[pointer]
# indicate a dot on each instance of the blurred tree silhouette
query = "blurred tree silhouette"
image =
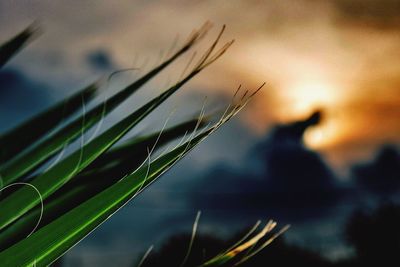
(376, 236)
(173, 251)
(278, 253)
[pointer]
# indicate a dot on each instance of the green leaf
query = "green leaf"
(72, 208)
(50, 242)
(11, 47)
(16, 140)
(132, 151)
(24, 199)
(51, 210)
(129, 156)
(28, 160)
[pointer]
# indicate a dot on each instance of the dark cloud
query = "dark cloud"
(20, 96)
(382, 174)
(294, 181)
(100, 60)
(378, 13)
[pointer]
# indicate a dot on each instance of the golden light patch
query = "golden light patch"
(327, 134)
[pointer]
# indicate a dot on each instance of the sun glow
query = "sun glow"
(324, 135)
(300, 81)
(306, 97)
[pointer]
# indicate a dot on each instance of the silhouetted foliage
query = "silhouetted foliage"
(206, 246)
(376, 236)
(174, 250)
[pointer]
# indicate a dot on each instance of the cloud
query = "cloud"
(293, 182)
(382, 174)
(100, 60)
(372, 13)
(311, 53)
(20, 96)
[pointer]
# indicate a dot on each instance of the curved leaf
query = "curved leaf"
(16, 140)
(25, 162)
(11, 47)
(53, 240)
(24, 199)
(86, 185)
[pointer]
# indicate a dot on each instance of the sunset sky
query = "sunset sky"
(339, 56)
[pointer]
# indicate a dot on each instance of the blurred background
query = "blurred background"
(317, 148)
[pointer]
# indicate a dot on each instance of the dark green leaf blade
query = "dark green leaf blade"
(24, 199)
(11, 47)
(86, 185)
(134, 149)
(53, 240)
(16, 140)
(25, 162)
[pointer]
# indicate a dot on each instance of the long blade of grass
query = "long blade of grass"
(86, 185)
(17, 139)
(53, 240)
(23, 200)
(21, 228)
(232, 254)
(194, 231)
(264, 245)
(11, 47)
(25, 162)
(132, 150)
(127, 156)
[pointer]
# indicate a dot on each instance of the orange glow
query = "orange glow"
(324, 135)
(304, 97)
